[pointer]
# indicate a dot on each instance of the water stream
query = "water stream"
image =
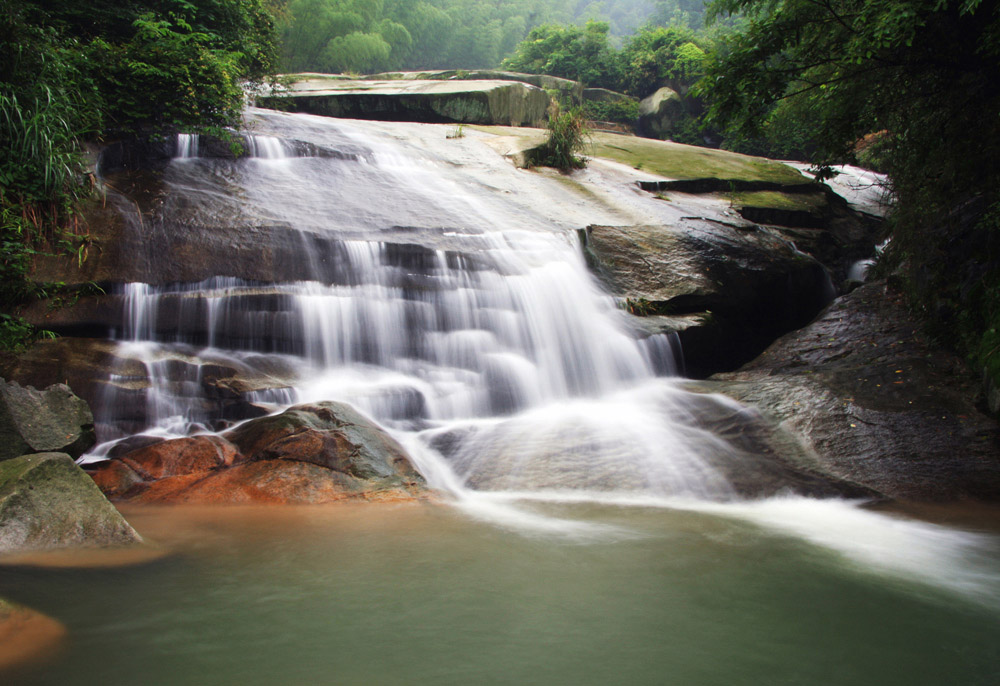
(463, 319)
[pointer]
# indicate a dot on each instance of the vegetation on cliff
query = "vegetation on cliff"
(917, 80)
(72, 73)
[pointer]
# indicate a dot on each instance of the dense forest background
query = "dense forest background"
(909, 87)
(365, 36)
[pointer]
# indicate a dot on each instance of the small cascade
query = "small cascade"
(265, 147)
(187, 146)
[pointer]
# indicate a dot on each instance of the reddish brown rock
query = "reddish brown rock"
(277, 482)
(26, 636)
(114, 478)
(316, 453)
(181, 456)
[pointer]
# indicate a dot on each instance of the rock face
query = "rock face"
(875, 402)
(99, 370)
(568, 90)
(308, 454)
(467, 102)
(659, 112)
(33, 421)
(746, 285)
(47, 501)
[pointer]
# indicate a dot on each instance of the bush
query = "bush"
(567, 136)
(622, 111)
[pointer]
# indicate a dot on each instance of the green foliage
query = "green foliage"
(667, 55)
(567, 138)
(624, 111)
(434, 34)
(572, 52)
(910, 85)
(73, 71)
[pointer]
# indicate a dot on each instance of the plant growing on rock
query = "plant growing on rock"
(567, 137)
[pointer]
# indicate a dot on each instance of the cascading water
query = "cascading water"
(456, 316)
(483, 342)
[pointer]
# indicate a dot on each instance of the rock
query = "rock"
(571, 91)
(718, 450)
(26, 636)
(47, 501)
(274, 482)
(322, 452)
(328, 434)
(180, 456)
(33, 421)
(116, 379)
(659, 112)
(747, 285)
(469, 102)
(875, 402)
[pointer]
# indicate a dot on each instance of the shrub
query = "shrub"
(567, 137)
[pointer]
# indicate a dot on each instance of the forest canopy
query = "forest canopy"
(375, 35)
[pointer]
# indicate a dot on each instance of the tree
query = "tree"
(921, 78)
(572, 52)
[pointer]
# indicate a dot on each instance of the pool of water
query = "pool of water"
(431, 594)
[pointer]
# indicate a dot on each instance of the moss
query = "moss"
(802, 202)
(677, 161)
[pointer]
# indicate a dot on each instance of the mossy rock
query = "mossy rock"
(47, 501)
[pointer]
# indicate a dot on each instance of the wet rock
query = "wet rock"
(110, 376)
(47, 501)
(747, 285)
(33, 421)
(875, 402)
(115, 478)
(26, 636)
(322, 452)
(328, 434)
(180, 456)
(276, 482)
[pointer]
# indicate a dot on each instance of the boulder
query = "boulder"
(468, 102)
(314, 453)
(33, 421)
(659, 112)
(180, 456)
(328, 434)
(747, 285)
(47, 501)
(271, 482)
(26, 636)
(875, 402)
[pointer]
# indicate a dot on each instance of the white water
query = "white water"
(470, 327)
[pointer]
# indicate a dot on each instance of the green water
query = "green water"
(423, 594)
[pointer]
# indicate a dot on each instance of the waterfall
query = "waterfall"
(470, 328)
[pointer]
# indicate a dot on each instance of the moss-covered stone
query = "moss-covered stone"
(47, 501)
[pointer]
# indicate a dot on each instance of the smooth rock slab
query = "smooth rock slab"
(470, 102)
(47, 501)
(876, 402)
(33, 421)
